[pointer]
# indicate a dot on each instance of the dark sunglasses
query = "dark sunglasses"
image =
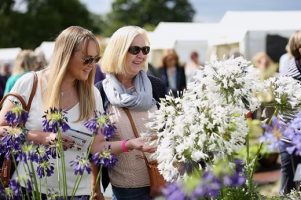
(135, 50)
(89, 60)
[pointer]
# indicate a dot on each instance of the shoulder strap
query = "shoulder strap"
(126, 110)
(33, 90)
(23, 103)
(128, 113)
(20, 98)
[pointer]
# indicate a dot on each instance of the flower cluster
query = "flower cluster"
(207, 184)
(286, 92)
(293, 133)
(104, 158)
(208, 122)
(55, 119)
(101, 121)
(273, 134)
(288, 135)
(15, 134)
(80, 165)
(17, 116)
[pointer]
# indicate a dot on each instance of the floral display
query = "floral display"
(208, 121)
(46, 157)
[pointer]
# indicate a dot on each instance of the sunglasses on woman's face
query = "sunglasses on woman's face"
(89, 60)
(136, 50)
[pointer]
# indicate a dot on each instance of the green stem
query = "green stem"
(58, 167)
(28, 172)
(79, 178)
(61, 149)
(35, 181)
(269, 122)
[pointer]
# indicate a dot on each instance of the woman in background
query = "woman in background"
(26, 61)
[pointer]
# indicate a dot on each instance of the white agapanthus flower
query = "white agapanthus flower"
(286, 92)
(208, 121)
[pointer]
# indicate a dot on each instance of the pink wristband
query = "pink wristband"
(123, 146)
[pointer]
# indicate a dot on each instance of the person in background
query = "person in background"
(192, 66)
(42, 62)
(152, 70)
(265, 64)
(26, 61)
(4, 75)
(172, 74)
(289, 162)
(128, 86)
(283, 61)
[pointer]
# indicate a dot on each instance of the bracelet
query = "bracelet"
(123, 146)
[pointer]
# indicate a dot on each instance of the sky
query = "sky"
(213, 10)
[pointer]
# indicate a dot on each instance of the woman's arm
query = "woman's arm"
(35, 136)
(100, 144)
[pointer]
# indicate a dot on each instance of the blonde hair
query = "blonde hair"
(294, 45)
(67, 43)
(114, 57)
(26, 61)
(258, 56)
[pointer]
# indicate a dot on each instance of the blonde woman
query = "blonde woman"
(66, 84)
(128, 86)
(26, 61)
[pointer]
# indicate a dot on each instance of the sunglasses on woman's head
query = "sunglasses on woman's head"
(89, 60)
(136, 50)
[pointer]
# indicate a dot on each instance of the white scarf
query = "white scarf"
(141, 99)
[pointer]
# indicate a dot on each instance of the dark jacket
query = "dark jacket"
(159, 91)
(180, 79)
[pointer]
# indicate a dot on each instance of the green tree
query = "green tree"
(43, 20)
(146, 13)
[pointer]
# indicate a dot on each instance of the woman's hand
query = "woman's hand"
(97, 195)
(140, 144)
(49, 138)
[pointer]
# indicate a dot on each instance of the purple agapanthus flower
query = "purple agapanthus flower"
(80, 165)
(55, 120)
(174, 192)
(108, 130)
(15, 187)
(273, 134)
(45, 168)
(210, 186)
(101, 121)
(104, 158)
(17, 116)
(293, 133)
(27, 153)
(12, 141)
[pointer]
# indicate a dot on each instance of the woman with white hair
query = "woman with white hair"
(128, 89)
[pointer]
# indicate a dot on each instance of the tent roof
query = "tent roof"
(263, 20)
(166, 33)
(9, 54)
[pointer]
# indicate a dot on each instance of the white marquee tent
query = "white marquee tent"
(249, 29)
(8, 55)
